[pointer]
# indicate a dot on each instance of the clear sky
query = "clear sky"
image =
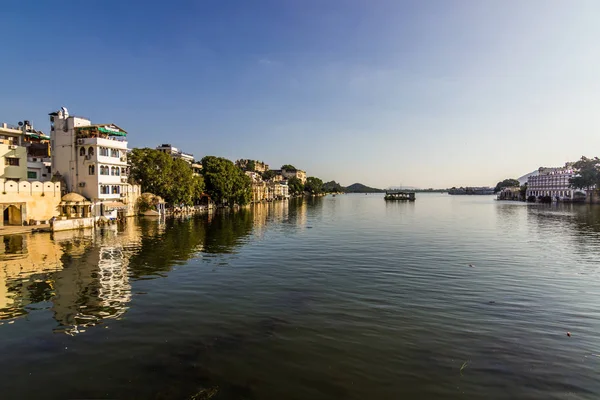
(422, 93)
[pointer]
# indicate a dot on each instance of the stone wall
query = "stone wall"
(37, 201)
(70, 224)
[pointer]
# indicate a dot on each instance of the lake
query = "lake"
(346, 297)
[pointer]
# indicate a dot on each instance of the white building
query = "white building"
(553, 182)
(91, 159)
(176, 153)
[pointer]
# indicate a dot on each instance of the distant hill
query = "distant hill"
(360, 188)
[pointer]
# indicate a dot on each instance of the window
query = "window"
(123, 171)
(12, 161)
(116, 189)
(104, 170)
(82, 152)
(49, 169)
(114, 153)
(91, 151)
(104, 189)
(31, 175)
(91, 170)
(103, 151)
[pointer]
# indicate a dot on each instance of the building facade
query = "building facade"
(552, 182)
(176, 153)
(294, 173)
(252, 165)
(91, 160)
(13, 162)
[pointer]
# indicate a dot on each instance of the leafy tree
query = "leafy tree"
(295, 185)
(268, 175)
(160, 174)
(332, 187)
(181, 187)
(588, 174)
(506, 183)
(198, 187)
(523, 191)
(313, 185)
(225, 182)
(288, 167)
(152, 170)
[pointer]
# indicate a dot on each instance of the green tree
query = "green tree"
(313, 185)
(268, 175)
(198, 188)
(225, 183)
(295, 186)
(251, 166)
(588, 174)
(524, 192)
(506, 183)
(333, 187)
(181, 186)
(152, 170)
(158, 173)
(288, 167)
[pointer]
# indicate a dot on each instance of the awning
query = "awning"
(113, 205)
(112, 132)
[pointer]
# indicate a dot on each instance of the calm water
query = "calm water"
(334, 298)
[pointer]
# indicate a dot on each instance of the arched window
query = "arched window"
(91, 170)
(82, 152)
(91, 151)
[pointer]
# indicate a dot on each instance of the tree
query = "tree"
(225, 182)
(251, 166)
(588, 174)
(288, 167)
(506, 183)
(523, 191)
(295, 185)
(150, 169)
(313, 185)
(268, 175)
(333, 187)
(181, 188)
(158, 173)
(198, 188)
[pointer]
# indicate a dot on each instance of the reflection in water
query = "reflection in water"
(85, 275)
(377, 301)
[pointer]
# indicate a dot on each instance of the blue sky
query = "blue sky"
(422, 93)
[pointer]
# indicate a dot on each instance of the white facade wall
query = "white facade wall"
(81, 162)
(553, 182)
(40, 167)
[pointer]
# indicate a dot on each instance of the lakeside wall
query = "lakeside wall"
(27, 201)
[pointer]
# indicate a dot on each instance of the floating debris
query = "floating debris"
(205, 394)
(463, 366)
(569, 334)
(471, 265)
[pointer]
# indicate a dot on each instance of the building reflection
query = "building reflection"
(24, 273)
(85, 277)
(94, 282)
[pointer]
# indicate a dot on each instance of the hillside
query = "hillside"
(360, 188)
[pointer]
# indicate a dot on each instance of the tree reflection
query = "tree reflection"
(86, 275)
